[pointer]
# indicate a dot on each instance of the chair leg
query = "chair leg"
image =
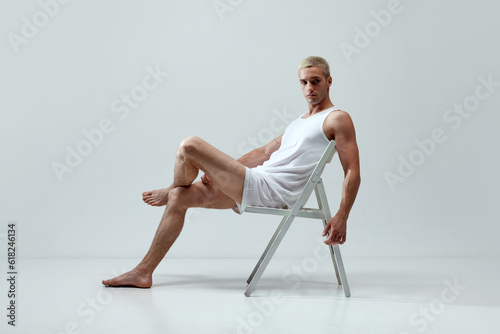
(266, 250)
(341, 271)
(334, 249)
(326, 212)
(268, 254)
(332, 254)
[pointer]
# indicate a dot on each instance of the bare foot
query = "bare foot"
(156, 197)
(131, 278)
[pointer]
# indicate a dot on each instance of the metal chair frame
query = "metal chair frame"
(323, 212)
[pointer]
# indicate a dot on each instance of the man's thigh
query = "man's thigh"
(201, 195)
(226, 173)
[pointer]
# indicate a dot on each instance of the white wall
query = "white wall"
(232, 76)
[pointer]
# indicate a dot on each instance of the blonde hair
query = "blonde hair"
(313, 61)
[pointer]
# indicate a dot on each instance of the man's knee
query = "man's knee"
(189, 146)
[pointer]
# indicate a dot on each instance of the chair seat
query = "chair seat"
(303, 213)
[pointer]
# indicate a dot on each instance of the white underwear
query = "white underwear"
(260, 189)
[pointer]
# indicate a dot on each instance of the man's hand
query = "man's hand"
(337, 230)
(205, 179)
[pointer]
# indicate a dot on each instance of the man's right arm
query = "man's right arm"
(259, 155)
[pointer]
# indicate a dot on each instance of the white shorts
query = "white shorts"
(260, 190)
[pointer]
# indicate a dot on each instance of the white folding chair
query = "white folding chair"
(323, 212)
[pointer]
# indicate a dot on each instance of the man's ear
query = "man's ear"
(329, 80)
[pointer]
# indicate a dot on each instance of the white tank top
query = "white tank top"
(302, 145)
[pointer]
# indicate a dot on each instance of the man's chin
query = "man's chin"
(313, 102)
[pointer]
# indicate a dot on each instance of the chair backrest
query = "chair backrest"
(315, 175)
(330, 151)
(325, 158)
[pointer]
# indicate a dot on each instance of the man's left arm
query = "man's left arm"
(341, 128)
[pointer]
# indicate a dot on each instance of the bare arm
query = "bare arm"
(341, 128)
(256, 157)
(259, 155)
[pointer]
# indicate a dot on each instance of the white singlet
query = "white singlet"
(278, 182)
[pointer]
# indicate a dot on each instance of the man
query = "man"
(272, 175)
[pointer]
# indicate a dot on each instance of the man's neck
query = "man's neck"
(316, 108)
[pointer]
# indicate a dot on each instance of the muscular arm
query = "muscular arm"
(340, 127)
(259, 155)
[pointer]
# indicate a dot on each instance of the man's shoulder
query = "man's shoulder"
(338, 117)
(338, 122)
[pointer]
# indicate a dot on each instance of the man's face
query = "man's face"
(314, 85)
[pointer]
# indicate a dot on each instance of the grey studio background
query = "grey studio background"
(420, 79)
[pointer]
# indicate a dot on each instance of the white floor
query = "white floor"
(397, 296)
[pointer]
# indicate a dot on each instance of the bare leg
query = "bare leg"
(181, 196)
(193, 155)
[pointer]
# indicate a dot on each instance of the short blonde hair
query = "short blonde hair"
(313, 61)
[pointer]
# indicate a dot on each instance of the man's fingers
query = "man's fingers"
(336, 235)
(330, 239)
(326, 229)
(335, 239)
